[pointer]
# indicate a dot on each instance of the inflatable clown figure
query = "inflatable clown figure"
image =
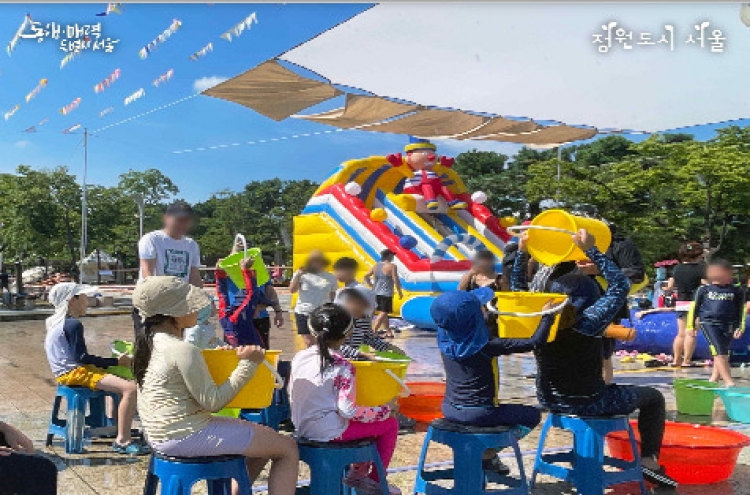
(421, 158)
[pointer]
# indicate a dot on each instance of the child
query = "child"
(203, 335)
(384, 280)
(178, 395)
(569, 377)
(355, 302)
(237, 309)
(323, 397)
(345, 271)
(720, 305)
(470, 361)
(73, 366)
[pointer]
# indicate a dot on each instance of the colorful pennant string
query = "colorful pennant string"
(72, 128)
(135, 96)
(14, 41)
(42, 84)
(164, 36)
(31, 129)
(106, 111)
(164, 78)
(202, 52)
(40, 124)
(11, 112)
(237, 30)
(98, 88)
(67, 58)
(112, 8)
(70, 106)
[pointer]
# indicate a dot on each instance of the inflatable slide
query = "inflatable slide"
(363, 208)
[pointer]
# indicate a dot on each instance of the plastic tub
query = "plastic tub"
(379, 382)
(258, 392)
(516, 326)
(691, 454)
(694, 397)
(425, 403)
(737, 403)
(231, 265)
(550, 233)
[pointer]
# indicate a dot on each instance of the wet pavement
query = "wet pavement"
(27, 390)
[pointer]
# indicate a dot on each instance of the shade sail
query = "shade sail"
(538, 60)
(558, 134)
(273, 90)
(501, 125)
(361, 110)
(431, 123)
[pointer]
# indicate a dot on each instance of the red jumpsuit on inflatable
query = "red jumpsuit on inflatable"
(421, 157)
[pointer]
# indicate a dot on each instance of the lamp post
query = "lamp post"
(140, 201)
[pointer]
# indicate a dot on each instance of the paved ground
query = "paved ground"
(27, 389)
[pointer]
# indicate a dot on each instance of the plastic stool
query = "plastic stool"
(179, 474)
(587, 458)
(73, 429)
(272, 416)
(329, 460)
(468, 444)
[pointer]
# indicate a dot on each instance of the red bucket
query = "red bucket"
(425, 402)
(691, 454)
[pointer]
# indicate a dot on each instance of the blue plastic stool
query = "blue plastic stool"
(178, 474)
(468, 444)
(73, 429)
(272, 416)
(328, 462)
(587, 458)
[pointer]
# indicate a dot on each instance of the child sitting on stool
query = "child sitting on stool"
(356, 304)
(324, 403)
(569, 377)
(720, 305)
(470, 360)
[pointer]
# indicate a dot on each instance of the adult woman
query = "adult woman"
(177, 394)
(483, 274)
(314, 287)
(686, 278)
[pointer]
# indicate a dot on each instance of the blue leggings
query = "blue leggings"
(501, 415)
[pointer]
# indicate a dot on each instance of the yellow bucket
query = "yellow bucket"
(549, 236)
(519, 313)
(379, 382)
(232, 264)
(258, 392)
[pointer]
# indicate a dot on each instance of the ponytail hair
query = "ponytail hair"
(329, 323)
(144, 346)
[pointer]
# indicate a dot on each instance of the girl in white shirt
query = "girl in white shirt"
(177, 393)
(314, 287)
(323, 398)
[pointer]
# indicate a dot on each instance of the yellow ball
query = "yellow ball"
(506, 222)
(378, 215)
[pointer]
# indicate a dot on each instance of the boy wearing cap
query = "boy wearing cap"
(170, 252)
(73, 366)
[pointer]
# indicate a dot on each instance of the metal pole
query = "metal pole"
(84, 197)
(559, 159)
(140, 202)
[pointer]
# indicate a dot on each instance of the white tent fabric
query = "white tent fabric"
(539, 61)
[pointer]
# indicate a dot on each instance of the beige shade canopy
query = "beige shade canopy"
(431, 123)
(501, 125)
(361, 111)
(559, 134)
(273, 90)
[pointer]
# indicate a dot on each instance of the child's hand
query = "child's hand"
(252, 353)
(278, 319)
(523, 241)
(640, 314)
(368, 355)
(125, 361)
(583, 240)
(738, 334)
(395, 408)
(247, 263)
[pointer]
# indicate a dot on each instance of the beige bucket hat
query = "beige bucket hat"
(168, 296)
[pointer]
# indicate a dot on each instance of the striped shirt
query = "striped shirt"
(362, 334)
(416, 179)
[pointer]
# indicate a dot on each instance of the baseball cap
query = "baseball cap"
(180, 209)
(168, 296)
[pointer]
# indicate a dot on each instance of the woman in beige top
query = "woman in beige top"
(177, 394)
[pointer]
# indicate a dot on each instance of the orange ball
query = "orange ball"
(506, 222)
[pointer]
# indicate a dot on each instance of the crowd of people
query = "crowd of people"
(336, 315)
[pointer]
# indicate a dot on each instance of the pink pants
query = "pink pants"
(384, 433)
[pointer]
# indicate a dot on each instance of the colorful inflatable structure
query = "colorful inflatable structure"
(373, 204)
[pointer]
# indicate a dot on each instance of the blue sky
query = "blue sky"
(200, 122)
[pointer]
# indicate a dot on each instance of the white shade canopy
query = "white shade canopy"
(539, 61)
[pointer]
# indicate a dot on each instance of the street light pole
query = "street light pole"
(559, 175)
(84, 201)
(140, 202)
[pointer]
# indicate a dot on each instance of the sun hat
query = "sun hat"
(168, 296)
(60, 296)
(462, 330)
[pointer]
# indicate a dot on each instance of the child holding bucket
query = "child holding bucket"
(177, 393)
(720, 305)
(324, 403)
(569, 377)
(470, 361)
(357, 304)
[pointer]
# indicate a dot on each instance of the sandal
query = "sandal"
(131, 448)
(658, 477)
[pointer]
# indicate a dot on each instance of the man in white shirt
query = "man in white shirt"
(170, 252)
